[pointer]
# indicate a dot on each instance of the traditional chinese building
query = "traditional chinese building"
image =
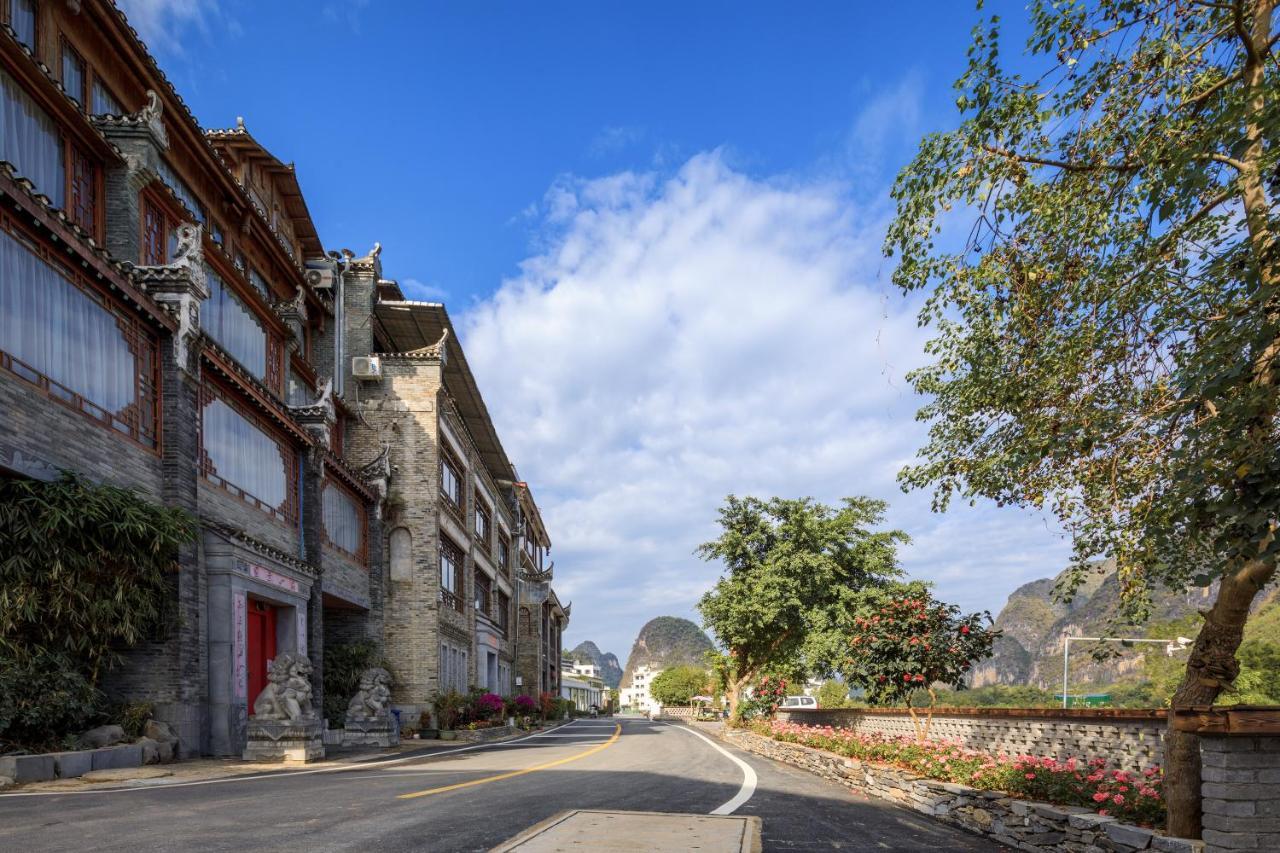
(171, 322)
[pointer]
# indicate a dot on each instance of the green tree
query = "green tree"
(833, 694)
(1108, 303)
(789, 566)
(679, 684)
(903, 640)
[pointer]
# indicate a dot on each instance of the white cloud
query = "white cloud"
(160, 22)
(676, 338)
(421, 291)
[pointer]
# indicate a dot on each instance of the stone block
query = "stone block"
(1088, 821)
(6, 782)
(1230, 774)
(103, 736)
(291, 742)
(28, 768)
(69, 765)
(1133, 836)
(1270, 776)
(1227, 791)
(1216, 840)
(1053, 813)
(1169, 844)
(1229, 808)
(117, 757)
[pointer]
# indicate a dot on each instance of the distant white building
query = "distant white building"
(590, 670)
(636, 695)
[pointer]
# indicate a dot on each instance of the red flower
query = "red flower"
(964, 629)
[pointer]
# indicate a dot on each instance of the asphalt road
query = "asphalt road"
(474, 799)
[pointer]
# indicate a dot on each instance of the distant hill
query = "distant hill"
(665, 642)
(606, 662)
(1030, 651)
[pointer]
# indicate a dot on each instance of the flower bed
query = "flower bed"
(1129, 797)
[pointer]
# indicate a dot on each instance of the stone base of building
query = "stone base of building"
(375, 731)
(291, 742)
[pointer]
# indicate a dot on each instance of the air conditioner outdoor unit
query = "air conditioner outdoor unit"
(320, 279)
(366, 367)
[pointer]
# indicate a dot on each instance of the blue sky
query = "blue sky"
(658, 229)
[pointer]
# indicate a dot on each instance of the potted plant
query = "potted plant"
(448, 707)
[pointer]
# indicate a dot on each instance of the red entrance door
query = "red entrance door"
(262, 645)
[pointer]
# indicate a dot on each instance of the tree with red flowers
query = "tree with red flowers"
(903, 639)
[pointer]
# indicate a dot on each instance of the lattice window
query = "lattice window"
(84, 191)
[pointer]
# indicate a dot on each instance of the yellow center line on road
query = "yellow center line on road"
(617, 732)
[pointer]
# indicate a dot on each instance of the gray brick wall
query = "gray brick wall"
(1240, 793)
(39, 435)
(1133, 744)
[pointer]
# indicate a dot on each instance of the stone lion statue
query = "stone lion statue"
(287, 695)
(373, 696)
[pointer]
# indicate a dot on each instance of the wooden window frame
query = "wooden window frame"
(64, 46)
(452, 598)
(171, 219)
(72, 156)
(503, 556)
(6, 17)
(479, 583)
(502, 611)
(362, 554)
(144, 345)
(210, 389)
(459, 506)
(483, 511)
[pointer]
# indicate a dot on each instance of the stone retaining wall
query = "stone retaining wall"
(1019, 824)
(1129, 740)
(484, 735)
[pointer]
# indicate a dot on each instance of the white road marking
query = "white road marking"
(749, 779)
(250, 777)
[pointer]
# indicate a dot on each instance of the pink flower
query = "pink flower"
(1031, 775)
(1100, 797)
(1118, 799)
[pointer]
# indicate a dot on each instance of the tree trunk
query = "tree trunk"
(735, 694)
(1211, 668)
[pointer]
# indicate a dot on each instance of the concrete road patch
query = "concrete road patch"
(586, 829)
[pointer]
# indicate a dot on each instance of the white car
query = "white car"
(799, 702)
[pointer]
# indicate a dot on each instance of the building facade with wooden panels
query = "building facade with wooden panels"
(170, 321)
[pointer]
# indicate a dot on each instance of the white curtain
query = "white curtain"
(244, 455)
(22, 17)
(342, 522)
(104, 103)
(29, 140)
(180, 189)
(230, 322)
(61, 331)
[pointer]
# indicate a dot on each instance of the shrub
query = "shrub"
(492, 705)
(764, 699)
(132, 717)
(525, 705)
(449, 707)
(44, 700)
(548, 704)
(86, 568)
(344, 663)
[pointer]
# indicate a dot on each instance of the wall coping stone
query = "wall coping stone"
(1074, 715)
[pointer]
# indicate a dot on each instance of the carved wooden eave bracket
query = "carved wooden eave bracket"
(317, 417)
